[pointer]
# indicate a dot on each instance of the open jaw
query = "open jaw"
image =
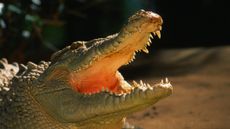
(84, 85)
(103, 74)
(103, 84)
(104, 93)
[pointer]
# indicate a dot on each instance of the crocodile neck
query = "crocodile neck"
(24, 112)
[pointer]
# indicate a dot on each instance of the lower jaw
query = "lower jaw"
(113, 120)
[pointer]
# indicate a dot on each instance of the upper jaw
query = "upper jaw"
(140, 28)
(139, 31)
(143, 22)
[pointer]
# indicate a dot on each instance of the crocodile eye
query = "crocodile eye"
(76, 45)
(2, 66)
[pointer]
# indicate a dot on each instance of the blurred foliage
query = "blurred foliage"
(23, 25)
(33, 29)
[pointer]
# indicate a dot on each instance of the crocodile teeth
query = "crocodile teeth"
(143, 86)
(162, 81)
(158, 34)
(134, 57)
(166, 80)
(145, 50)
(135, 84)
(148, 85)
(141, 82)
(148, 43)
(151, 36)
(160, 28)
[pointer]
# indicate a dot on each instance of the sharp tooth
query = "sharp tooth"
(150, 40)
(151, 36)
(154, 33)
(158, 34)
(135, 84)
(148, 43)
(162, 82)
(141, 82)
(134, 54)
(125, 86)
(160, 27)
(148, 85)
(166, 80)
(145, 50)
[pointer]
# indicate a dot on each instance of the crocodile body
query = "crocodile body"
(81, 87)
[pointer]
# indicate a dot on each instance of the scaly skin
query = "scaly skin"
(81, 87)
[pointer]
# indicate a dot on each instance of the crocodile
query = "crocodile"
(81, 87)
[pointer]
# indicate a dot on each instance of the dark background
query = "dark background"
(34, 29)
(31, 30)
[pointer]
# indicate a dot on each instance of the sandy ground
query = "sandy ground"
(201, 98)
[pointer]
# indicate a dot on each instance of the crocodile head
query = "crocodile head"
(83, 87)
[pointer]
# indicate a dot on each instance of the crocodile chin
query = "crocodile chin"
(103, 74)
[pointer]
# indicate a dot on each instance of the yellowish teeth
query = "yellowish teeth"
(150, 40)
(148, 43)
(151, 36)
(141, 82)
(158, 34)
(162, 82)
(135, 84)
(145, 50)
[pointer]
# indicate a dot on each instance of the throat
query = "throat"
(102, 75)
(93, 82)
